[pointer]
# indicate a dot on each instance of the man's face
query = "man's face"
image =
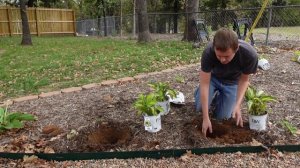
(225, 57)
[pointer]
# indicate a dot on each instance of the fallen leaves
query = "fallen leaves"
(52, 130)
(28, 148)
(152, 145)
(34, 161)
(24, 144)
(29, 159)
(72, 134)
(187, 156)
(49, 150)
(255, 143)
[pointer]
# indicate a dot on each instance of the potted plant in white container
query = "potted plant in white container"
(162, 92)
(257, 108)
(147, 106)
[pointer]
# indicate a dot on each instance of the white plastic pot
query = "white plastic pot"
(152, 123)
(264, 64)
(258, 123)
(165, 105)
(179, 99)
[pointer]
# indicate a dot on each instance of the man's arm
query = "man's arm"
(242, 87)
(204, 90)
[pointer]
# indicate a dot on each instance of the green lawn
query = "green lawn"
(60, 62)
(286, 31)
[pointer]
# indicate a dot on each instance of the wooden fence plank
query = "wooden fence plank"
(37, 22)
(41, 21)
(9, 20)
(74, 23)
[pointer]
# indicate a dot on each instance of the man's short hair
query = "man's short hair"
(225, 39)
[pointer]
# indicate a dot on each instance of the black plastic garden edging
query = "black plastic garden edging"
(149, 154)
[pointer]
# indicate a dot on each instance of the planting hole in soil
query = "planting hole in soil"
(105, 136)
(223, 131)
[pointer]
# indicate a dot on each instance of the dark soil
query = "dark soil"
(223, 131)
(104, 119)
(105, 136)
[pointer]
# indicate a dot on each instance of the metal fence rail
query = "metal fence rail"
(276, 23)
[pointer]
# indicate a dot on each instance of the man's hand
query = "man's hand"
(206, 124)
(237, 116)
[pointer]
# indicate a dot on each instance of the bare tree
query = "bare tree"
(143, 24)
(26, 37)
(191, 8)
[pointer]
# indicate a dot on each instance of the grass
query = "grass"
(53, 63)
(285, 31)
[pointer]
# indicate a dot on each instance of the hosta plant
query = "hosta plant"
(296, 57)
(257, 101)
(287, 125)
(9, 120)
(162, 90)
(146, 105)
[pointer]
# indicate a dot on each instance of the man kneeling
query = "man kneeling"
(226, 64)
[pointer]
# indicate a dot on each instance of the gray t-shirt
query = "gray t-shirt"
(244, 61)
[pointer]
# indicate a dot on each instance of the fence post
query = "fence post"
(74, 23)
(269, 24)
(9, 20)
(155, 23)
(37, 22)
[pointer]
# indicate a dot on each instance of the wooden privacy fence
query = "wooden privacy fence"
(41, 21)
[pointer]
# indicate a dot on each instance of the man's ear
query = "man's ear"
(237, 48)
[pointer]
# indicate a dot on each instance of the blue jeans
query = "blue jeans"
(224, 98)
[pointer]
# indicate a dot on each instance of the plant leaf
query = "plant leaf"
(20, 117)
(259, 93)
(14, 124)
(250, 103)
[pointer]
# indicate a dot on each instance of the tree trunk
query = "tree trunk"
(30, 3)
(134, 19)
(26, 37)
(175, 18)
(190, 33)
(104, 17)
(143, 24)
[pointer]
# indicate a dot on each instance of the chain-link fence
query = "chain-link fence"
(276, 23)
(97, 27)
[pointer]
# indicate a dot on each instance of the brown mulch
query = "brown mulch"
(89, 114)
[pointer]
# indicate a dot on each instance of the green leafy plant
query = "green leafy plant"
(262, 56)
(179, 79)
(13, 120)
(146, 105)
(257, 101)
(296, 56)
(287, 125)
(161, 90)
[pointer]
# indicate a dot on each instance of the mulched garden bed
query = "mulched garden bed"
(103, 119)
